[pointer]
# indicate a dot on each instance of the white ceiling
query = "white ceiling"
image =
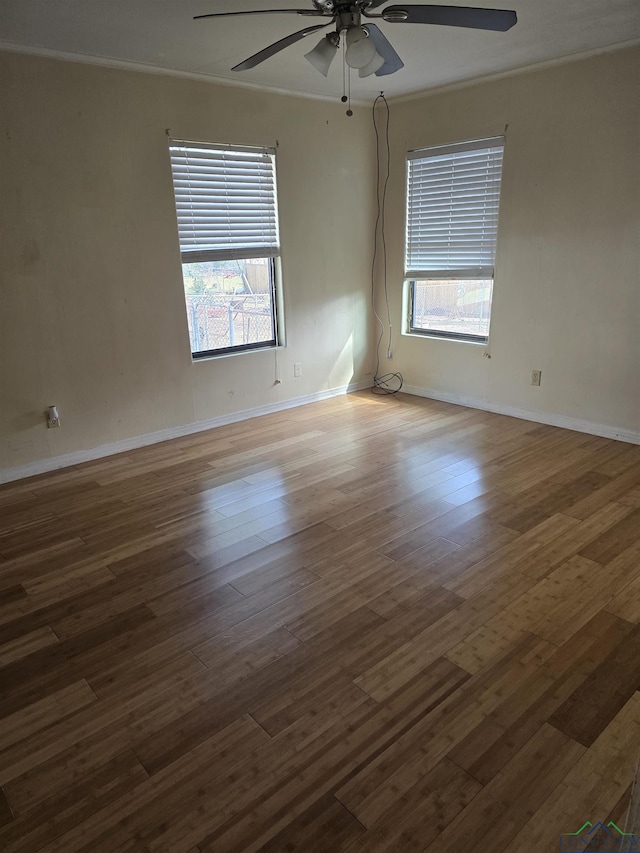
(161, 34)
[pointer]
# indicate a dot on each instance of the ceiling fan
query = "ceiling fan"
(367, 48)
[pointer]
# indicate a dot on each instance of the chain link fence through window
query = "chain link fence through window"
(218, 321)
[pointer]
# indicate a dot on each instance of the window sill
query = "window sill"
(446, 338)
(217, 357)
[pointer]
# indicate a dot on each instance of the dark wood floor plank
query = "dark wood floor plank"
(50, 594)
(513, 556)
(48, 658)
(424, 744)
(12, 593)
(6, 815)
(609, 493)
(602, 837)
(416, 819)
(591, 707)
(382, 573)
(137, 588)
(41, 562)
(25, 644)
(495, 741)
(137, 677)
(507, 802)
(228, 695)
(23, 724)
(320, 768)
(615, 540)
(325, 827)
(592, 789)
(41, 822)
(154, 802)
(131, 635)
(554, 499)
(446, 568)
(418, 596)
(386, 676)
(557, 606)
(626, 604)
(264, 651)
(48, 533)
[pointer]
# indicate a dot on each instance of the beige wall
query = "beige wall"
(567, 286)
(92, 309)
(92, 313)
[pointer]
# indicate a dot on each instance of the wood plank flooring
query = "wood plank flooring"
(367, 624)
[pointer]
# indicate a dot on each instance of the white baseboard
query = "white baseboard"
(42, 466)
(549, 418)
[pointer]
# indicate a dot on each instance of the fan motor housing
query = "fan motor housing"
(324, 6)
(331, 7)
(346, 18)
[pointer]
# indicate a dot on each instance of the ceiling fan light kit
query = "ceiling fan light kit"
(367, 48)
(323, 53)
(376, 63)
(360, 49)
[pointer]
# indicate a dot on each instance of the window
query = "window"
(453, 196)
(228, 231)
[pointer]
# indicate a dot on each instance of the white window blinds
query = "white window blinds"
(225, 200)
(453, 196)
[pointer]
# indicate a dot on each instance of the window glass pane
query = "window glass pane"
(230, 304)
(458, 308)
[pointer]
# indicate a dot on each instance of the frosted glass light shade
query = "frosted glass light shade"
(360, 49)
(322, 55)
(372, 67)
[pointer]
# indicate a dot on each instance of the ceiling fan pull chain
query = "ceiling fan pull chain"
(344, 72)
(349, 111)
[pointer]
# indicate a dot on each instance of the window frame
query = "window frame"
(460, 267)
(269, 250)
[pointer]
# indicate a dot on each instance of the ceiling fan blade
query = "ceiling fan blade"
(276, 47)
(314, 13)
(392, 61)
(499, 20)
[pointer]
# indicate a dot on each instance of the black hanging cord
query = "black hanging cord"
(388, 383)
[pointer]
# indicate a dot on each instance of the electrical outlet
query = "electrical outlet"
(297, 369)
(536, 377)
(53, 418)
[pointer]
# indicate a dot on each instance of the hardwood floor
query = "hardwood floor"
(368, 624)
